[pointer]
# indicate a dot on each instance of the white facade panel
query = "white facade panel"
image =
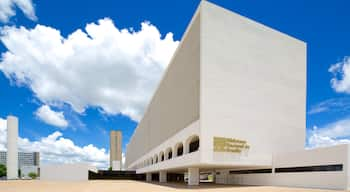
(66, 172)
(253, 84)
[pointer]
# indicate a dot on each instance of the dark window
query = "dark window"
(180, 150)
(155, 176)
(335, 167)
(194, 145)
(252, 171)
(162, 157)
(170, 154)
(156, 159)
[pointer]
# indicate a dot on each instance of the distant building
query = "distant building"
(24, 158)
(115, 159)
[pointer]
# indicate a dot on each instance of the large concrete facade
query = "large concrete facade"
(12, 148)
(115, 159)
(232, 99)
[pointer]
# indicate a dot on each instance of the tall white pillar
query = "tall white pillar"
(162, 177)
(148, 177)
(12, 151)
(193, 176)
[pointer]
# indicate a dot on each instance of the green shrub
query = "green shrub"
(32, 175)
(2, 170)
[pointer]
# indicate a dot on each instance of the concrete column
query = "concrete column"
(193, 176)
(186, 148)
(163, 176)
(148, 177)
(12, 150)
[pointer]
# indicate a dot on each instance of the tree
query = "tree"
(110, 169)
(32, 175)
(2, 170)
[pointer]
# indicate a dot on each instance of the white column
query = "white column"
(186, 148)
(163, 176)
(12, 151)
(193, 176)
(148, 177)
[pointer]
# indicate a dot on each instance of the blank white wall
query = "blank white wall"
(253, 84)
(66, 172)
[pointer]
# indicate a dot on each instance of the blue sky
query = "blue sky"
(84, 116)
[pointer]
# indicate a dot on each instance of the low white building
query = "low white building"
(232, 101)
(66, 172)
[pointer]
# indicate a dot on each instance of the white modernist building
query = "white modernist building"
(12, 148)
(232, 102)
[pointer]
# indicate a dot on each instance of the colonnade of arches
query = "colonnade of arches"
(190, 145)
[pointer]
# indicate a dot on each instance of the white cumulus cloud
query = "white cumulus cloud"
(101, 66)
(341, 76)
(8, 9)
(56, 149)
(47, 115)
(332, 134)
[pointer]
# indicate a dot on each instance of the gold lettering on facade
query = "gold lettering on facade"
(231, 145)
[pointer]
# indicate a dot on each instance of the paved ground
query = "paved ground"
(129, 186)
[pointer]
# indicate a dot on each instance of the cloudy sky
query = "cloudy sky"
(74, 70)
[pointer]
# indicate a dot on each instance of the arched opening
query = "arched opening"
(168, 153)
(161, 156)
(193, 144)
(155, 159)
(179, 149)
(152, 161)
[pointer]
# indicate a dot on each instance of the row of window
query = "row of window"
(192, 145)
(317, 168)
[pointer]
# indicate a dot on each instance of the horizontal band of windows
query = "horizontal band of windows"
(317, 168)
(252, 171)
